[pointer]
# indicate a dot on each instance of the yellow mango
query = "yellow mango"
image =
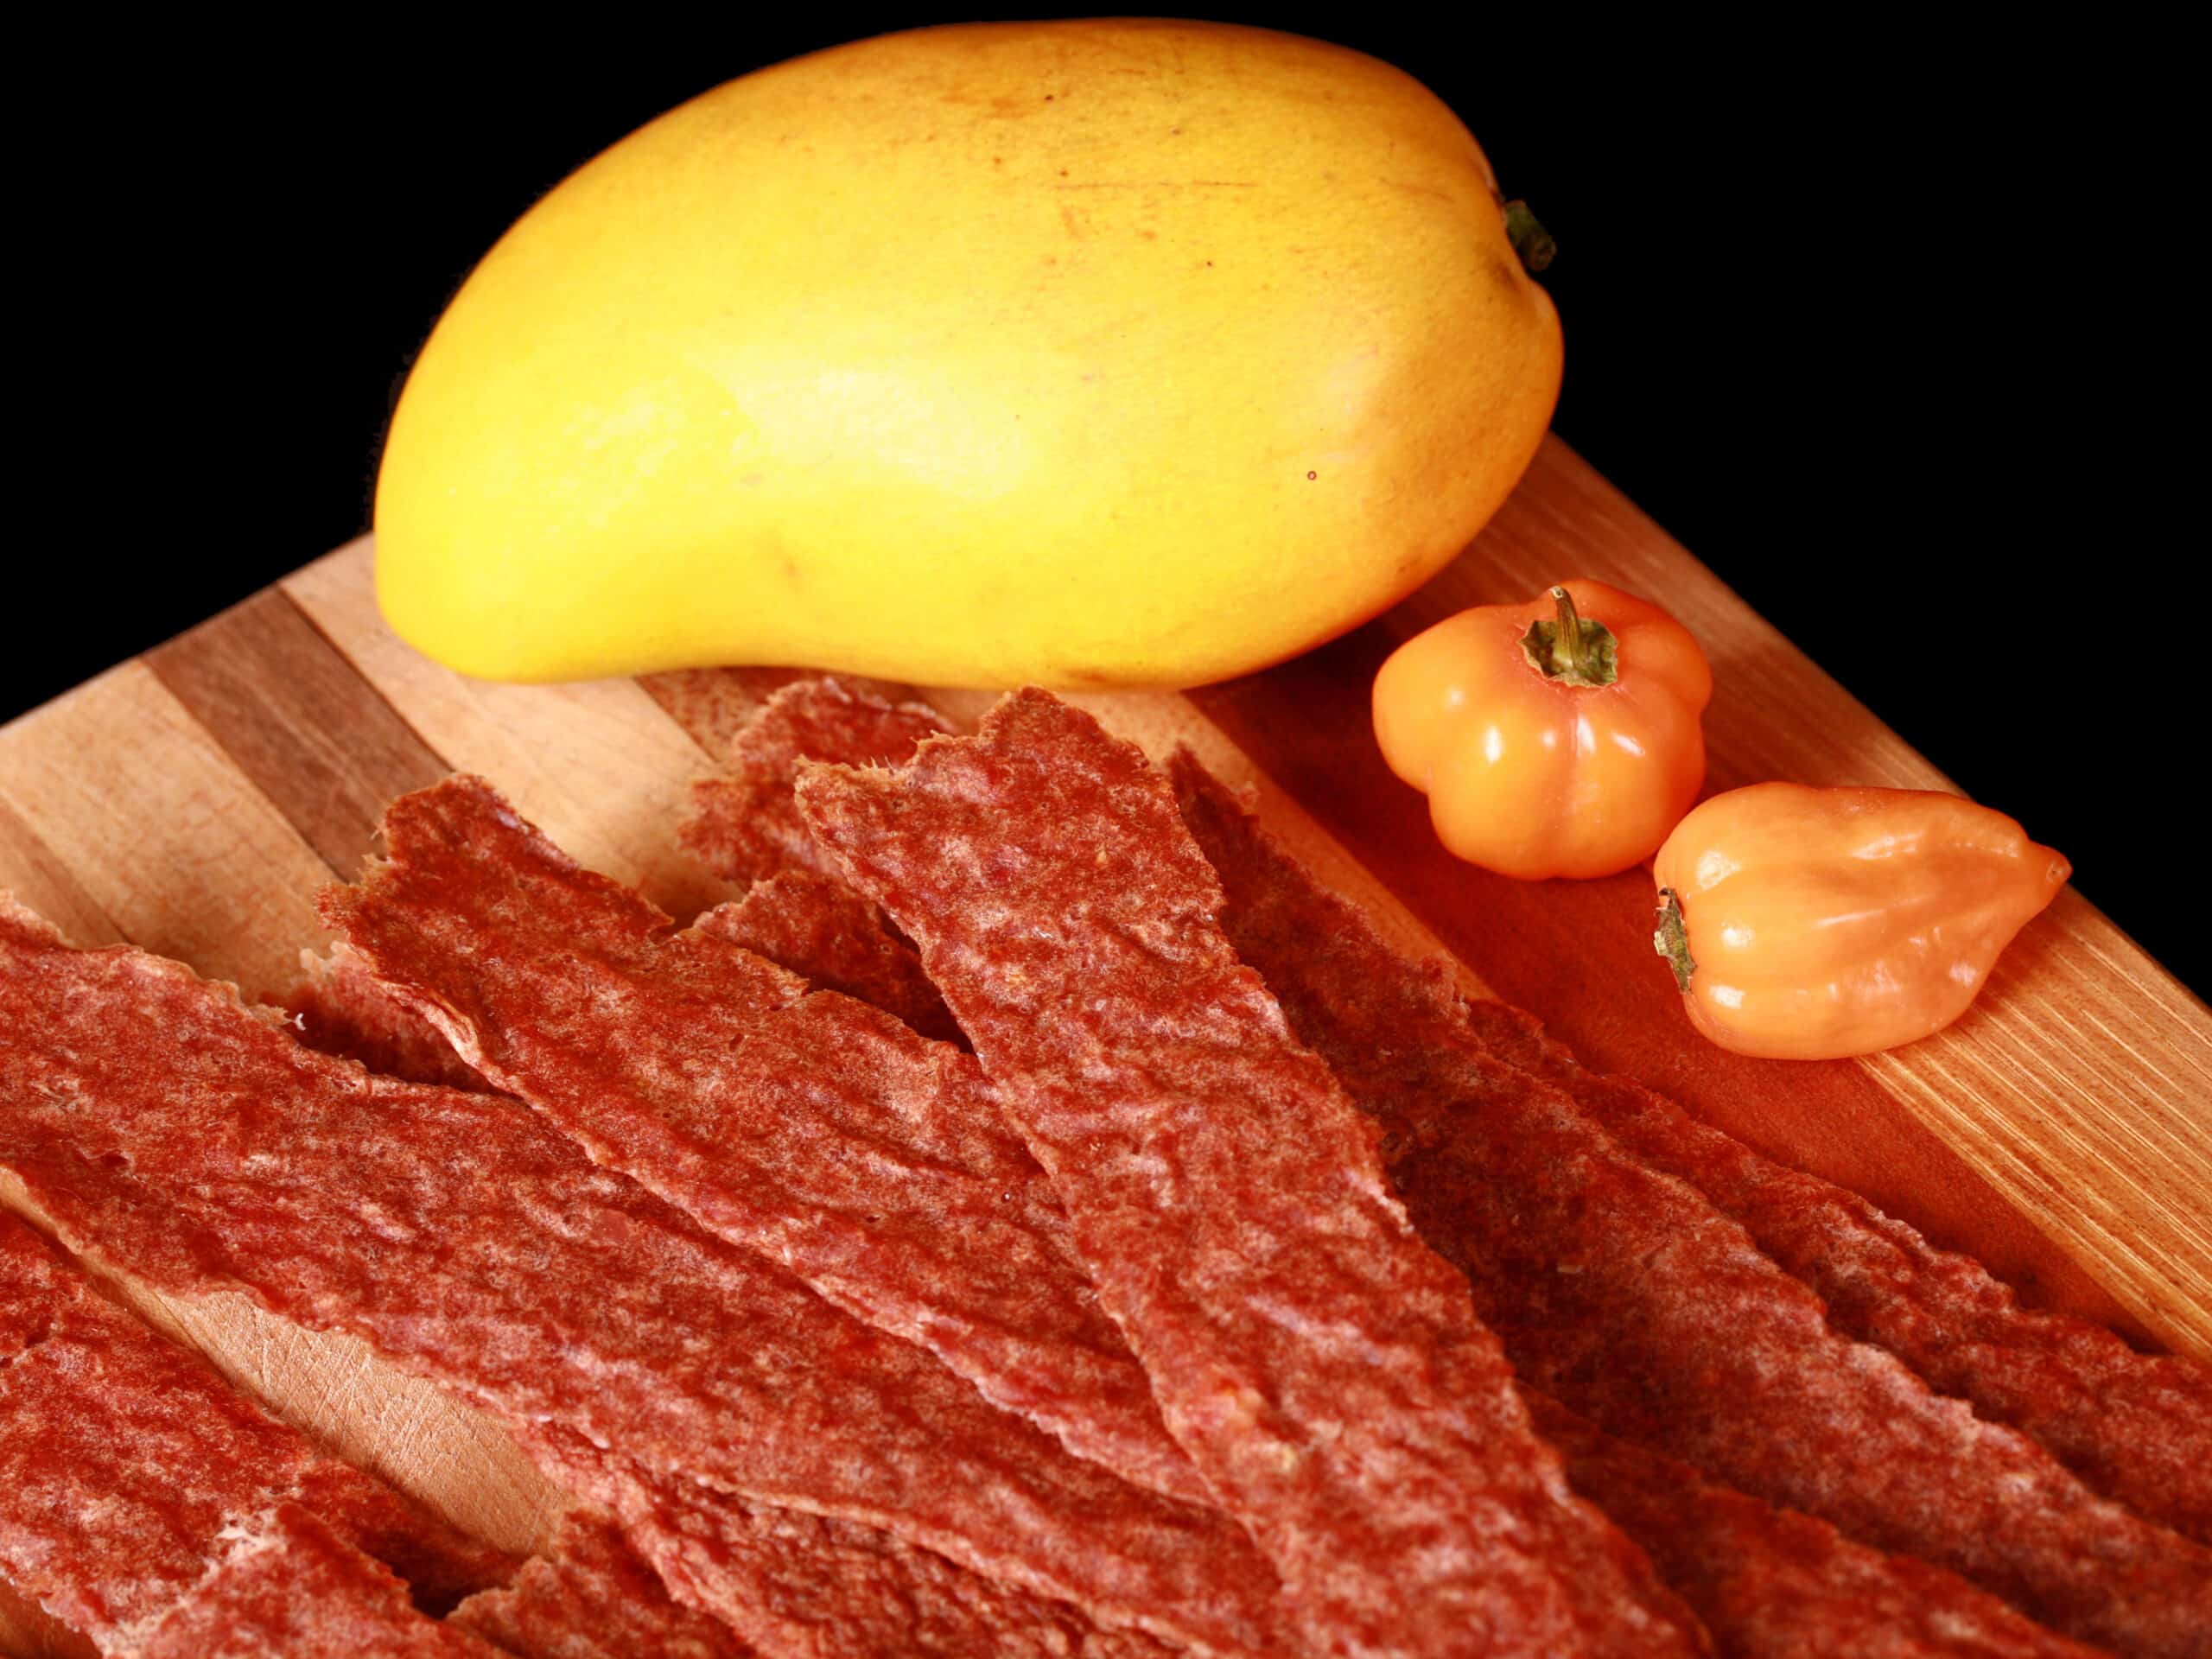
(1086, 353)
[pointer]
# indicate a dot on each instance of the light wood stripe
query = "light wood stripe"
(601, 767)
(291, 711)
(154, 821)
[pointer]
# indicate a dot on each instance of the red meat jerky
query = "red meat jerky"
(340, 1009)
(125, 1460)
(1770, 1581)
(291, 1588)
(808, 1126)
(589, 1598)
(746, 825)
(1323, 1368)
(165, 1126)
(820, 929)
(1621, 1291)
(2136, 1427)
(830, 1589)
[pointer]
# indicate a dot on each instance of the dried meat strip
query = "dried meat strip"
(827, 1588)
(1766, 1581)
(808, 1127)
(126, 1459)
(2136, 1427)
(291, 1588)
(1323, 1368)
(820, 929)
(172, 1131)
(1773, 1582)
(745, 825)
(590, 1597)
(1622, 1291)
(339, 1008)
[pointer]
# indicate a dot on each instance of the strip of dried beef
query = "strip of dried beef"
(812, 1129)
(1624, 1293)
(126, 1462)
(795, 1583)
(1323, 1368)
(170, 1130)
(590, 1597)
(2136, 1427)
(289, 1587)
(744, 824)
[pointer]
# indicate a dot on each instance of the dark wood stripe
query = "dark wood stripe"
(29, 869)
(1539, 945)
(299, 720)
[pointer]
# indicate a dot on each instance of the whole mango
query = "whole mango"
(1084, 353)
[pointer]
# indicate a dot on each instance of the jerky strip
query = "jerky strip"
(291, 1588)
(1323, 1368)
(830, 1589)
(1623, 1293)
(2136, 1427)
(744, 826)
(161, 1123)
(340, 1008)
(1769, 1581)
(818, 927)
(588, 1597)
(1766, 1582)
(833, 1139)
(125, 1460)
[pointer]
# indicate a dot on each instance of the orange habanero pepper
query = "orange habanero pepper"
(1812, 923)
(1555, 738)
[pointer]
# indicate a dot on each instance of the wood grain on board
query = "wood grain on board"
(192, 801)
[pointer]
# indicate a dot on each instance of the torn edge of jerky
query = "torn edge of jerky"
(587, 1595)
(288, 1586)
(802, 1584)
(1323, 1368)
(127, 1464)
(2136, 1427)
(744, 826)
(806, 1126)
(1621, 1290)
(167, 1128)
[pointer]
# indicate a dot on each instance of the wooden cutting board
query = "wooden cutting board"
(192, 800)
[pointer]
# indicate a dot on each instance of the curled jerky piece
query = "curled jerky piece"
(588, 1597)
(809, 1128)
(826, 1588)
(2136, 1427)
(1323, 1368)
(126, 1461)
(1621, 1291)
(169, 1128)
(818, 927)
(745, 825)
(339, 1008)
(291, 1587)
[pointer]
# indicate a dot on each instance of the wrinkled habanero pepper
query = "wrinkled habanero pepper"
(1814, 924)
(1555, 738)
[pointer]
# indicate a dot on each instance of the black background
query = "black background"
(1870, 320)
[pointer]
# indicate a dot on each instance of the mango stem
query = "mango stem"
(1529, 239)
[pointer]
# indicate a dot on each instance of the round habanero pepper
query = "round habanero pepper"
(1815, 924)
(1555, 738)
